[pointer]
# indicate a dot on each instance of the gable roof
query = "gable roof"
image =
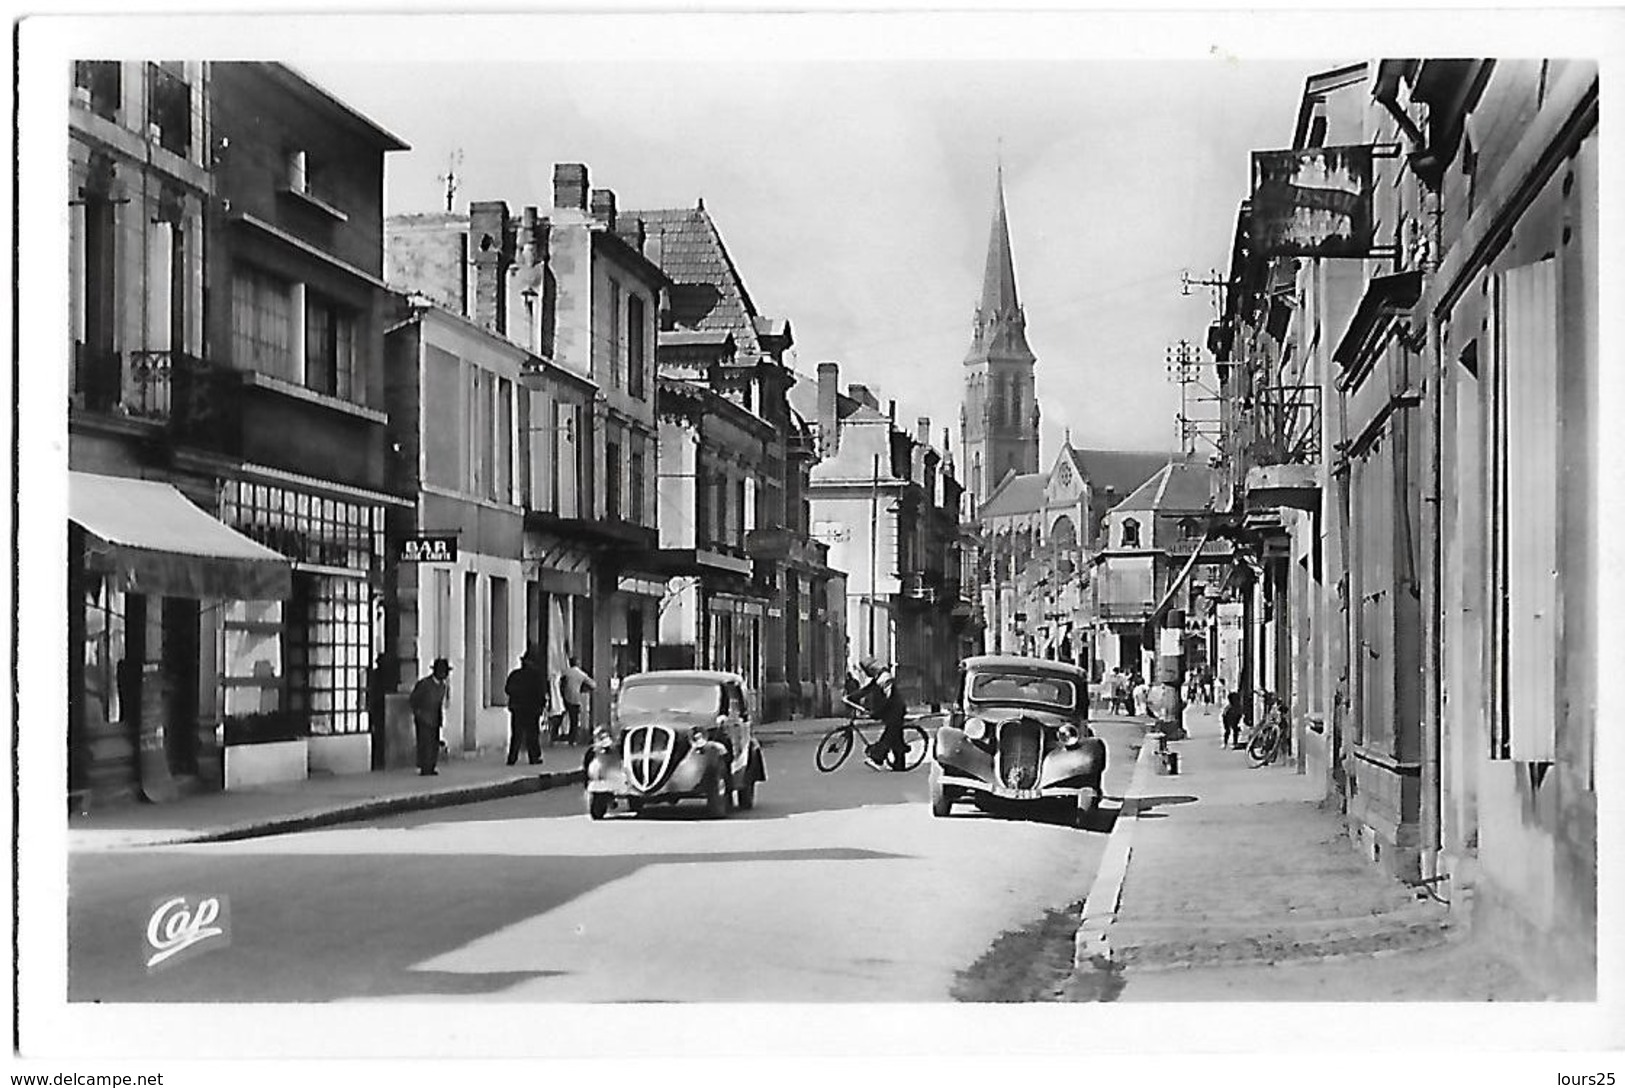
(1122, 470)
(1180, 487)
(1017, 493)
(707, 292)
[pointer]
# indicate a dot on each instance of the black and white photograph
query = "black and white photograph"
(893, 544)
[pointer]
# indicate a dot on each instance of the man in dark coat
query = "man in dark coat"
(885, 704)
(527, 702)
(429, 714)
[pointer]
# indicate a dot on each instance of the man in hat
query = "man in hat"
(527, 702)
(429, 713)
(885, 704)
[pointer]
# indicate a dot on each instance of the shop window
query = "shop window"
(251, 657)
(329, 640)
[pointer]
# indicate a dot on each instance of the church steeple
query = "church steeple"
(1000, 413)
(1000, 324)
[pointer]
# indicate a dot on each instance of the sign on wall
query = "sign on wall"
(429, 548)
(1312, 202)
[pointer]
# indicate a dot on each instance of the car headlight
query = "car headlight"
(602, 737)
(977, 728)
(1069, 736)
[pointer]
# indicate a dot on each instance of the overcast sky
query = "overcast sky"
(856, 197)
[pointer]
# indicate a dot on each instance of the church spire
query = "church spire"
(999, 280)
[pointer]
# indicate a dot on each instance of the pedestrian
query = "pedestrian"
(1141, 695)
(1114, 690)
(527, 702)
(1233, 716)
(429, 713)
(573, 686)
(1205, 677)
(884, 702)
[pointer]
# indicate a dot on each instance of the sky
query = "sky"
(856, 197)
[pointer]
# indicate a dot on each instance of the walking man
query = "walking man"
(573, 687)
(527, 702)
(428, 714)
(885, 703)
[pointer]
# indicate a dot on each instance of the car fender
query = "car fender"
(957, 752)
(1083, 764)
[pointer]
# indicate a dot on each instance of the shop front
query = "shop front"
(166, 600)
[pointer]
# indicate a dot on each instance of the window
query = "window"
(498, 644)
(504, 441)
(101, 82)
(612, 480)
(635, 499)
(614, 343)
(329, 348)
(261, 324)
(329, 643)
(169, 106)
(1131, 533)
(297, 179)
(739, 512)
(251, 636)
(635, 346)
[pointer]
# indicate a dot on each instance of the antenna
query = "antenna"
(450, 176)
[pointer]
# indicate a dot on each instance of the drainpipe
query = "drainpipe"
(1433, 365)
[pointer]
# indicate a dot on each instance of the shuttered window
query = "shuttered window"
(1526, 518)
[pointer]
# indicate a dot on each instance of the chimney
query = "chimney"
(603, 206)
(829, 390)
(530, 238)
(922, 430)
(570, 186)
(488, 234)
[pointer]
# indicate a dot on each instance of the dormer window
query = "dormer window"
(1131, 533)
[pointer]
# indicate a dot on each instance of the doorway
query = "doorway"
(471, 661)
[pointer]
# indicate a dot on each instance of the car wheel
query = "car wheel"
(716, 796)
(942, 800)
(598, 805)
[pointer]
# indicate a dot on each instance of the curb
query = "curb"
(1091, 947)
(363, 810)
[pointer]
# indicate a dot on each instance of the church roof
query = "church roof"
(1121, 470)
(707, 292)
(1017, 493)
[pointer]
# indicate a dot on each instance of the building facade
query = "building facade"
(226, 318)
(1428, 562)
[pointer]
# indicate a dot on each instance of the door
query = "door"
(473, 664)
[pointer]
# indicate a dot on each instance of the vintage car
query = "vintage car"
(676, 734)
(1019, 731)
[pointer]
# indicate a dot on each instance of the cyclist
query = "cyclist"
(879, 695)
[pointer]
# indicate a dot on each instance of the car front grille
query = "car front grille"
(1021, 743)
(647, 752)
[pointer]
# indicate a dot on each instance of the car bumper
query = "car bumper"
(606, 774)
(1066, 772)
(1060, 790)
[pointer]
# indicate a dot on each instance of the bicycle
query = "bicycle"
(836, 744)
(1270, 741)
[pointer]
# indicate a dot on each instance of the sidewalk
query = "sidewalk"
(324, 800)
(1226, 882)
(321, 800)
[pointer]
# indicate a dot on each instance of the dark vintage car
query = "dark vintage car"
(677, 734)
(1019, 731)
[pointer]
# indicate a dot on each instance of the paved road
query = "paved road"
(837, 887)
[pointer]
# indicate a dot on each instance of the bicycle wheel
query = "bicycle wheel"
(835, 747)
(1261, 749)
(917, 742)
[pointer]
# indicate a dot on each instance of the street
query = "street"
(838, 887)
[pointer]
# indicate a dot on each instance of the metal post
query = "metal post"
(1171, 673)
(874, 549)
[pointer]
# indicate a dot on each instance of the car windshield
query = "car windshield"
(1015, 687)
(681, 696)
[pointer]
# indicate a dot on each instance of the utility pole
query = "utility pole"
(874, 548)
(1184, 366)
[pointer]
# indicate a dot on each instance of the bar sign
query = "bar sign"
(429, 549)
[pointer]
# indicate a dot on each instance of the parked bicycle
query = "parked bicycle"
(1271, 740)
(837, 744)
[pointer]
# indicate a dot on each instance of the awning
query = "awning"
(153, 539)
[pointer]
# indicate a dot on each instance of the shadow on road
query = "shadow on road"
(297, 936)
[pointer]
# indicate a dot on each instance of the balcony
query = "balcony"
(159, 386)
